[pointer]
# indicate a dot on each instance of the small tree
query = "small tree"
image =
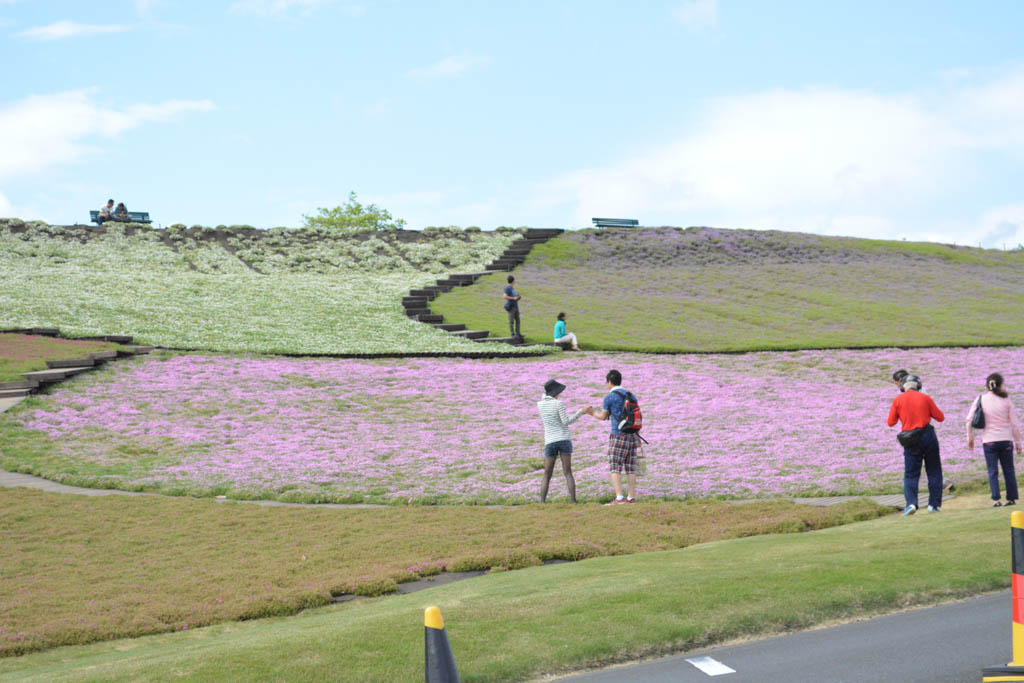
(354, 217)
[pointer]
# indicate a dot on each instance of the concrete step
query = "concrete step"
(453, 283)
(14, 393)
(43, 376)
(542, 233)
(518, 251)
(13, 386)
(41, 331)
(465, 279)
(72, 363)
(418, 300)
(101, 356)
(503, 340)
(438, 289)
(430, 318)
(450, 327)
(471, 334)
(70, 372)
(499, 266)
(140, 349)
(428, 293)
(413, 312)
(116, 338)
(526, 243)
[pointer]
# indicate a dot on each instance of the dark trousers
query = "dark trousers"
(1000, 453)
(926, 452)
(513, 321)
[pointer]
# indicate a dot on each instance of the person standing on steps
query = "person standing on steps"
(557, 440)
(999, 436)
(914, 411)
(563, 337)
(621, 447)
(512, 307)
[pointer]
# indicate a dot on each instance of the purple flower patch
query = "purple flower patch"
(750, 425)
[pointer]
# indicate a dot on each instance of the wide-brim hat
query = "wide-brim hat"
(553, 388)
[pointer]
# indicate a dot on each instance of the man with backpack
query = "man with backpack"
(620, 407)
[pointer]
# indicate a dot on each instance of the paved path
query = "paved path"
(951, 642)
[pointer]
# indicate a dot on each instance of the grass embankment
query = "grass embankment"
(670, 290)
(27, 353)
(519, 624)
(236, 289)
(78, 569)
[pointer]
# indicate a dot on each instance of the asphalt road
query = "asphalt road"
(952, 642)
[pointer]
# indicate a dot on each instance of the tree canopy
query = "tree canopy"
(354, 217)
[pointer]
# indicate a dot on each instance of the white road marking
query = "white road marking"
(712, 667)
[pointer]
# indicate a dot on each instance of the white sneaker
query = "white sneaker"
(909, 510)
(933, 509)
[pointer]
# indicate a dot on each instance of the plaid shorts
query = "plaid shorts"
(622, 453)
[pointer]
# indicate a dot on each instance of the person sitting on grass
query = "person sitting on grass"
(557, 441)
(562, 336)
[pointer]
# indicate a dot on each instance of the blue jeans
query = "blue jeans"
(1000, 453)
(927, 452)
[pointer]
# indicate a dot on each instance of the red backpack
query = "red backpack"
(632, 420)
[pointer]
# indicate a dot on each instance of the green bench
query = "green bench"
(133, 217)
(615, 222)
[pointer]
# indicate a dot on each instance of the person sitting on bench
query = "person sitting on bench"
(121, 213)
(563, 337)
(106, 212)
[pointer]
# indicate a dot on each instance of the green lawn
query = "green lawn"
(521, 624)
(26, 353)
(669, 290)
(77, 569)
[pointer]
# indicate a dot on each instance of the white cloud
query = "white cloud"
(821, 160)
(697, 14)
(40, 131)
(69, 29)
(144, 7)
(279, 8)
(450, 66)
(1001, 226)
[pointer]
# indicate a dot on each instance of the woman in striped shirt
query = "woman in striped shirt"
(557, 440)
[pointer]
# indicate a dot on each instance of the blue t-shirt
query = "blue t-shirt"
(614, 402)
(559, 329)
(510, 305)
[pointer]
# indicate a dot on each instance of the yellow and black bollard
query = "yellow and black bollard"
(1014, 671)
(440, 663)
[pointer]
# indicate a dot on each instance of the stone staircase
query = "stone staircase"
(60, 370)
(417, 302)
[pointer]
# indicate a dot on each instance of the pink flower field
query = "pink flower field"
(750, 425)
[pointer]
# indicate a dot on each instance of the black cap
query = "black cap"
(553, 388)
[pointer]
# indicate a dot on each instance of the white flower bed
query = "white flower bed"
(317, 294)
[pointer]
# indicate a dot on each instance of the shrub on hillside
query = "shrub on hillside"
(353, 216)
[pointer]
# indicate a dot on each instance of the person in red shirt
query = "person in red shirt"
(915, 411)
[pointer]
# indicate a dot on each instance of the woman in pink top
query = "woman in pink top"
(1000, 429)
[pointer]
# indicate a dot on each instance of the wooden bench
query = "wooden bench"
(133, 217)
(615, 222)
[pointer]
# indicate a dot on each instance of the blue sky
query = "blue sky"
(856, 118)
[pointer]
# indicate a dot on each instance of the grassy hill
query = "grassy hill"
(234, 289)
(706, 289)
